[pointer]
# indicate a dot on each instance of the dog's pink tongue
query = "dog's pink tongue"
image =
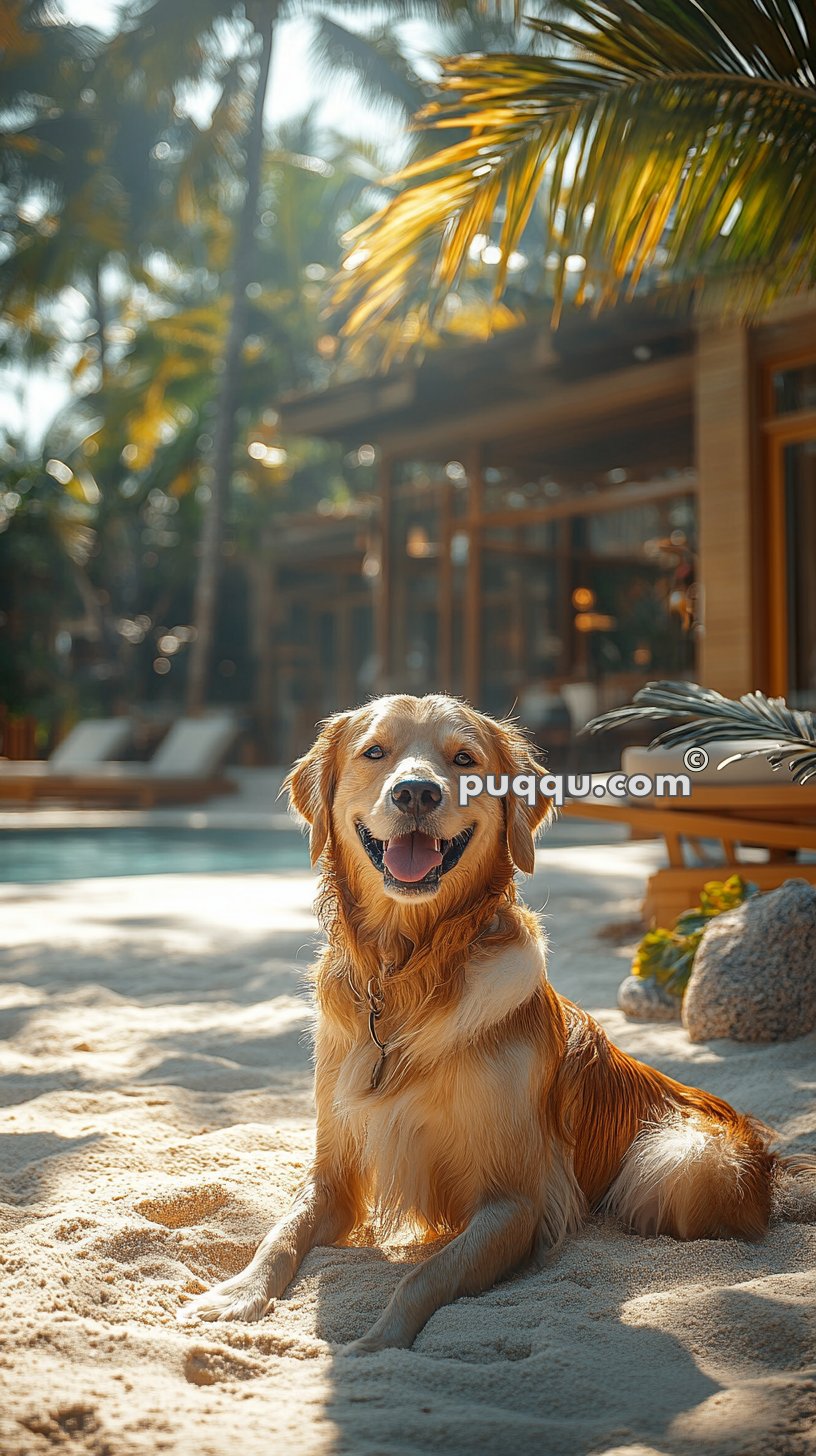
(410, 857)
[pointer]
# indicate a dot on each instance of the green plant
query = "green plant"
(667, 956)
(711, 718)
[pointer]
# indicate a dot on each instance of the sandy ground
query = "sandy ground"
(157, 1114)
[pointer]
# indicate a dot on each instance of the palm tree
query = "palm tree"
(258, 19)
(254, 21)
(669, 142)
(87, 199)
(243, 258)
(123, 170)
(127, 548)
(46, 136)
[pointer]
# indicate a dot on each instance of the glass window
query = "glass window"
(507, 489)
(417, 497)
(638, 530)
(794, 389)
(322, 644)
(577, 613)
(634, 597)
(573, 613)
(800, 529)
(523, 603)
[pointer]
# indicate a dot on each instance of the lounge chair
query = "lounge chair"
(185, 768)
(746, 804)
(87, 745)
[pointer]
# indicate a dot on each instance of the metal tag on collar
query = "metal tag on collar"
(375, 1009)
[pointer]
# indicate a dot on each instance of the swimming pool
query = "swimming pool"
(37, 856)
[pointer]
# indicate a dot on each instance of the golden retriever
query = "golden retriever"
(455, 1089)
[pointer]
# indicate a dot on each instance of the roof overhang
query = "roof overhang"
(476, 386)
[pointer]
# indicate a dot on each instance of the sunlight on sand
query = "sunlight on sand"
(157, 1082)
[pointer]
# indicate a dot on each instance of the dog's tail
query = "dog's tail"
(695, 1174)
(795, 1188)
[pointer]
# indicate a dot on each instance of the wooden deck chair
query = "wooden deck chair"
(87, 745)
(747, 804)
(185, 768)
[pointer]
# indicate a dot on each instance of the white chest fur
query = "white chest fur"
(430, 1142)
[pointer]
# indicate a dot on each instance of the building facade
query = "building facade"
(560, 518)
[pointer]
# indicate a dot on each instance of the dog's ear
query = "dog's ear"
(522, 819)
(311, 783)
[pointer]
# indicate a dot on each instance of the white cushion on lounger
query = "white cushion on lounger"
(746, 771)
(194, 747)
(90, 743)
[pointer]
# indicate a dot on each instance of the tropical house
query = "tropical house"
(562, 516)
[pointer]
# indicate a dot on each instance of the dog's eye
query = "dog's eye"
(463, 759)
(374, 751)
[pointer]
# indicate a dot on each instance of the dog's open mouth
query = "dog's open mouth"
(414, 863)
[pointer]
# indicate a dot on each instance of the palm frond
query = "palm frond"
(711, 718)
(375, 61)
(676, 141)
(490, 27)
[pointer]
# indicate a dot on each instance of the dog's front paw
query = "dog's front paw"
(239, 1298)
(365, 1346)
(377, 1340)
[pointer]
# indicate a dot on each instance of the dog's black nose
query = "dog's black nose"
(416, 796)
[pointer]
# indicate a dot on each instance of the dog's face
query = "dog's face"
(381, 784)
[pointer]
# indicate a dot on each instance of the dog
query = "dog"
(455, 1089)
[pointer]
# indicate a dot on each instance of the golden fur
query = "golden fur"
(503, 1114)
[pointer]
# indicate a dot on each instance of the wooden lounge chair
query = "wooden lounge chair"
(746, 804)
(86, 746)
(185, 768)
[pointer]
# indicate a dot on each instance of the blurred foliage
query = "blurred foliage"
(119, 207)
(667, 956)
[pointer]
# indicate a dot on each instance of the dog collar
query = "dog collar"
(376, 1002)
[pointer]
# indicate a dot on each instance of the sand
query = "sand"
(157, 1114)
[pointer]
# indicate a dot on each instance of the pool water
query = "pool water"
(36, 856)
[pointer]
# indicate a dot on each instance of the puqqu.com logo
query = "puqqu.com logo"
(559, 788)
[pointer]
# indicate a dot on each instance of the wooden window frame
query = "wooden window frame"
(780, 431)
(474, 524)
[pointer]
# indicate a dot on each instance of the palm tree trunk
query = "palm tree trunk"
(261, 573)
(101, 324)
(212, 533)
